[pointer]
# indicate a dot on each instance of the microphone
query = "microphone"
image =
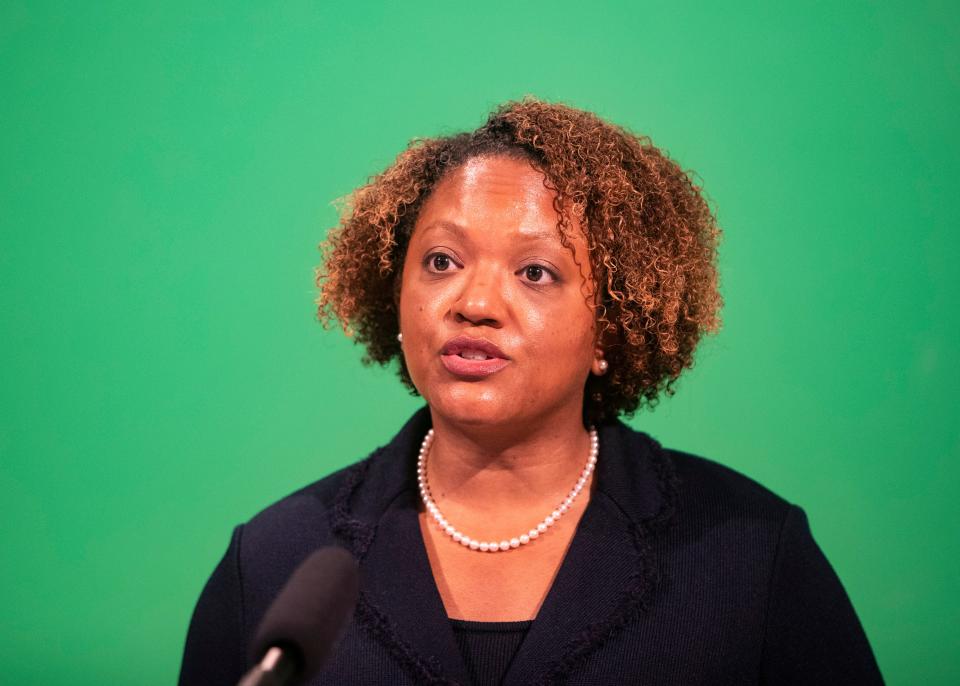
(299, 630)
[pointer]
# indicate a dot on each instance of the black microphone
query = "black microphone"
(299, 630)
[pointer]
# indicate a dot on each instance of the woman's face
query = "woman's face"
(496, 314)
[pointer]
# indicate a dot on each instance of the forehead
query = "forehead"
(493, 196)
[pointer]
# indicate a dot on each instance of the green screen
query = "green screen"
(168, 170)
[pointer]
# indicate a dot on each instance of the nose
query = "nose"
(481, 301)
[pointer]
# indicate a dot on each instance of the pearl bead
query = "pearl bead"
(514, 542)
(474, 545)
(542, 527)
(504, 545)
(533, 533)
(484, 547)
(524, 539)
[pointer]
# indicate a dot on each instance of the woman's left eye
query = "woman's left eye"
(538, 274)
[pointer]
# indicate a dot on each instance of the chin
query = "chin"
(473, 406)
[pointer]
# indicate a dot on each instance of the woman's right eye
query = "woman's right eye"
(439, 262)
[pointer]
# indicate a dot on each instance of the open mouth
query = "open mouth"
(472, 358)
(474, 355)
(473, 366)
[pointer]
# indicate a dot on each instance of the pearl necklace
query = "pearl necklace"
(516, 542)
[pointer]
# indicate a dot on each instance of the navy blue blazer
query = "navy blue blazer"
(681, 571)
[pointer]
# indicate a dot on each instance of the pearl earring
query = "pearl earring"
(603, 365)
(400, 338)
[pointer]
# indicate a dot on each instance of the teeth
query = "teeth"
(473, 355)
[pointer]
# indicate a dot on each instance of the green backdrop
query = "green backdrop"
(169, 169)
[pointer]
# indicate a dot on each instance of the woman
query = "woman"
(535, 279)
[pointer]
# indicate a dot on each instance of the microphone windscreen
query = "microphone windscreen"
(311, 610)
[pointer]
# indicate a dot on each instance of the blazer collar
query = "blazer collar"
(606, 577)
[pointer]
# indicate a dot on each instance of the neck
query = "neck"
(488, 469)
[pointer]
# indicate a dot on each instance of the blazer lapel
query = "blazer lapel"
(397, 579)
(399, 605)
(609, 574)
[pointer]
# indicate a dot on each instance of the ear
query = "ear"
(605, 340)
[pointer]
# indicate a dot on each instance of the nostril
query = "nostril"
(460, 318)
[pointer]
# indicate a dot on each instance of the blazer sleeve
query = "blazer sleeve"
(812, 634)
(214, 651)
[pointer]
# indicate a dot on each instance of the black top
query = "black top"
(681, 571)
(488, 647)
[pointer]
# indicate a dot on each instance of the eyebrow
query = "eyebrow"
(462, 232)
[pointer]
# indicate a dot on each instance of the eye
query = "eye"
(536, 273)
(439, 262)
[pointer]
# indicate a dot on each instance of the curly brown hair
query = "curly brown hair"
(651, 236)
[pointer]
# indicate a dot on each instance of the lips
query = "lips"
(472, 358)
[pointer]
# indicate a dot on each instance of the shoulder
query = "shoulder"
(305, 512)
(707, 484)
(646, 478)
(707, 506)
(341, 506)
(271, 545)
(729, 516)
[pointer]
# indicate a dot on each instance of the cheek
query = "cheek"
(564, 339)
(411, 302)
(418, 311)
(419, 317)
